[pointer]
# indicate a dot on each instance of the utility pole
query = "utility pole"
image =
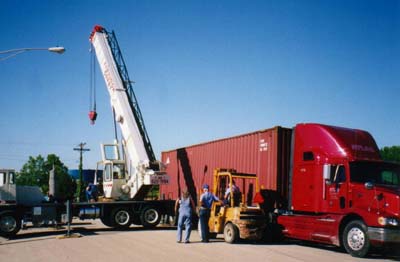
(81, 149)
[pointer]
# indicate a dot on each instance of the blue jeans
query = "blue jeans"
(204, 216)
(184, 219)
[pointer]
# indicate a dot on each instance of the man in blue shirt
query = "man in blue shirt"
(91, 192)
(206, 200)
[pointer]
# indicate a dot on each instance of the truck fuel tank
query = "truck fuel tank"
(89, 213)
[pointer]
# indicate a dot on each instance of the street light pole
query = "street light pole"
(14, 52)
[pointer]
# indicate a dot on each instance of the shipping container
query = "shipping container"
(265, 153)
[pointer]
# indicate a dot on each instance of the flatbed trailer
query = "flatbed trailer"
(115, 214)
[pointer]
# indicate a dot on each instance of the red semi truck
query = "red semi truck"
(321, 183)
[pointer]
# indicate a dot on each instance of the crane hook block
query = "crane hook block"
(92, 116)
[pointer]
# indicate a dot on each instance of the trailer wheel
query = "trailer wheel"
(355, 239)
(150, 217)
(121, 218)
(231, 233)
(9, 225)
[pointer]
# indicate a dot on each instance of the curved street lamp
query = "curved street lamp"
(14, 52)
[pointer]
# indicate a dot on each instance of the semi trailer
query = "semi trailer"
(319, 183)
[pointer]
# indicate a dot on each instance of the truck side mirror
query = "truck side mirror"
(369, 185)
(327, 172)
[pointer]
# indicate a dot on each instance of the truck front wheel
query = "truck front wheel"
(9, 225)
(355, 239)
(150, 217)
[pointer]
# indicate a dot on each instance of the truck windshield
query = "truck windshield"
(381, 173)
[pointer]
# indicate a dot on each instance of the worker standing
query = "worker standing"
(206, 200)
(186, 207)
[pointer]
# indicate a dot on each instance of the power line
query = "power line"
(25, 143)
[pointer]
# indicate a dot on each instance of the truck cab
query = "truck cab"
(341, 191)
(7, 186)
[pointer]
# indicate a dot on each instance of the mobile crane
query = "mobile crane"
(133, 176)
(127, 178)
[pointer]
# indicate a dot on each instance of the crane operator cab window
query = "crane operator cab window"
(110, 152)
(118, 171)
(114, 171)
(107, 172)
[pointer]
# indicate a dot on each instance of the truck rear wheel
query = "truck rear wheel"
(121, 218)
(9, 225)
(150, 217)
(355, 239)
(231, 233)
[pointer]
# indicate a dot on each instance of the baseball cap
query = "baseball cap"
(206, 186)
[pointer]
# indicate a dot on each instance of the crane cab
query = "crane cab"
(113, 179)
(115, 176)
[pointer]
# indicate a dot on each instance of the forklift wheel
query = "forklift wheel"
(231, 233)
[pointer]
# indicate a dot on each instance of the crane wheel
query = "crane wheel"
(106, 221)
(121, 218)
(150, 217)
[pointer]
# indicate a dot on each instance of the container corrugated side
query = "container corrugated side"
(265, 153)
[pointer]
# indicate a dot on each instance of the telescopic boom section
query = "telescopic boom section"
(123, 99)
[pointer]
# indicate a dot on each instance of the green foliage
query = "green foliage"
(79, 190)
(391, 153)
(36, 173)
(33, 173)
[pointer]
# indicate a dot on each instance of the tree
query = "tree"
(36, 173)
(391, 153)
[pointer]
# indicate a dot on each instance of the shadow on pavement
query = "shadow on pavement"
(46, 233)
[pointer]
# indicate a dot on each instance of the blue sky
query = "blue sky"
(203, 70)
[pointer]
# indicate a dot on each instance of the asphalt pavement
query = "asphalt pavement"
(91, 241)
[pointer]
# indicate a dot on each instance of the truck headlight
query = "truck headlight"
(388, 221)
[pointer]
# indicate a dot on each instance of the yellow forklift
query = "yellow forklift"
(236, 216)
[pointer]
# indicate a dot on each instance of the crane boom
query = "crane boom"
(123, 98)
(139, 153)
